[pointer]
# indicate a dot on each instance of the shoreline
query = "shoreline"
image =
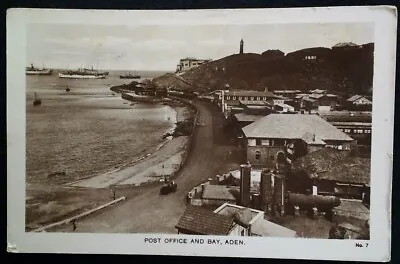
(44, 202)
(173, 146)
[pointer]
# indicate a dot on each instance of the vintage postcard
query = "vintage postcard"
(264, 133)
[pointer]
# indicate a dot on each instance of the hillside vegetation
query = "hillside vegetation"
(346, 69)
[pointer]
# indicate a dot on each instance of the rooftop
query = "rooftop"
(249, 102)
(361, 124)
(352, 208)
(220, 192)
(250, 93)
(242, 117)
(285, 106)
(287, 91)
(255, 218)
(318, 91)
(248, 215)
(357, 97)
(201, 221)
(335, 165)
(294, 127)
(266, 228)
(345, 44)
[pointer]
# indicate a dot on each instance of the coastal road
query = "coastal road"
(212, 152)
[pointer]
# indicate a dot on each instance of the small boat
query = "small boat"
(130, 76)
(37, 101)
(32, 70)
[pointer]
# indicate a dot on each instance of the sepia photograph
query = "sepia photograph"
(229, 130)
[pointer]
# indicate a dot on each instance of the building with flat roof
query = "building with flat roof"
(189, 63)
(251, 222)
(279, 138)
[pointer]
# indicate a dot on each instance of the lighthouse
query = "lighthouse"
(241, 47)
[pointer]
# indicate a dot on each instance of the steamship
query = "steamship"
(83, 74)
(130, 76)
(32, 70)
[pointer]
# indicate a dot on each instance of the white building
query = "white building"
(189, 63)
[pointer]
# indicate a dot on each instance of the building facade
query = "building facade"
(279, 138)
(189, 63)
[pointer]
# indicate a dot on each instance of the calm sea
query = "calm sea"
(87, 130)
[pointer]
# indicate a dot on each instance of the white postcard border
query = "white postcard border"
(378, 248)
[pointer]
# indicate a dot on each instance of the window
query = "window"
(252, 98)
(246, 98)
(240, 98)
(258, 142)
(368, 131)
(251, 142)
(347, 130)
(258, 98)
(228, 97)
(265, 142)
(258, 155)
(264, 98)
(234, 98)
(279, 142)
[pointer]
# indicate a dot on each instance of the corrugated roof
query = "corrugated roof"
(201, 221)
(242, 117)
(350, 170)
(354, 97)
(363, 124)
(335, 165)
(221, 192)
(250, 93)
(287, 91)
(294, 127)
(249, 102)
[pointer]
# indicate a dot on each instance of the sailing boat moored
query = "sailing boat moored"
(37, 100)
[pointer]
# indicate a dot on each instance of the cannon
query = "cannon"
(319, 201)
(169, 187)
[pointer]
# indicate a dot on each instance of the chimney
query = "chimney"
(245, 173)
(255, 200)
(266, 189)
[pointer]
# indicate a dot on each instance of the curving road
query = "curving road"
(211, 153)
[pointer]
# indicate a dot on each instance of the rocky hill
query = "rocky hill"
(343, 68)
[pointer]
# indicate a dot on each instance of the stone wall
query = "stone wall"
(268, 155)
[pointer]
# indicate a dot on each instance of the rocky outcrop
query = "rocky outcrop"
(344, 69)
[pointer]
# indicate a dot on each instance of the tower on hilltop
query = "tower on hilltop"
(241, 47)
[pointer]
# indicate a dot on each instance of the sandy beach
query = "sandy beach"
(152, 167)
(43, 202)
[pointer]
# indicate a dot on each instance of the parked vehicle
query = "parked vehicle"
(168, 188)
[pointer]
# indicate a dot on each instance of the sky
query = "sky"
(159, 47)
